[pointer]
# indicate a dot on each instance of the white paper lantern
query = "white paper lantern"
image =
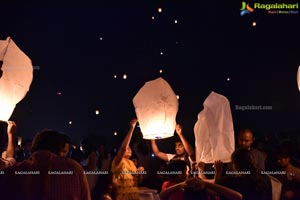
(16, 77)
(298, 78)
(156, 107)
(214, 133)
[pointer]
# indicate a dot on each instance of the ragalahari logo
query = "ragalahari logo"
(246, 9)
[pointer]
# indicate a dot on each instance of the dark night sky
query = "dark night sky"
(210, 43)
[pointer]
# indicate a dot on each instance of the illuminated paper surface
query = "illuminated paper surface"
(156, 107)
(15, 79)
(298, 78)
(214, 133)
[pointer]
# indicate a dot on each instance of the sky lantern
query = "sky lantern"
(214, 133)
(298, 78)
(19, 141)
(156, 107)
(16, 74)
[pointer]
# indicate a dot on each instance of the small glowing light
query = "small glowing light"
(175, 21)
(253, 23)
(177, 96)
(115, 76)
(228, 79)
(177, 42)
(19, 141)
(124, 76)
(59, 93)
(153, 17)
(81, 148)
(161, 53)
(160, 71)
(70, 122)
(159, 10)
(115, 133)
(97, 112)
(101, 38)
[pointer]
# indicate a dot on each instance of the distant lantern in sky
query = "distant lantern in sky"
(161, 53)
(253, 23)
(101, 38)
(160, 71)
(97, 112)
(159, 10)
(115, 76)
(153, 17)
(298, 78)
(19, 141)
(228, 79)
(70, 122)
(58, 93)
(175, 21)
(115, 133)
(124, 76)
(177, 96)
(156, 107)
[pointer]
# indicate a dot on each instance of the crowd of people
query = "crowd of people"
(51, 167)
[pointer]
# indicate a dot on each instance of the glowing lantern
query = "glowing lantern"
(19, 141)
(298, 78)
(214, 133)
(16, 73)
(156, 107)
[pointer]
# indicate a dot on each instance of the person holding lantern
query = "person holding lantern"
(125, 174)
(8, 159)
(184, 151)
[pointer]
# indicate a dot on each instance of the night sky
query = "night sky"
(77, 48)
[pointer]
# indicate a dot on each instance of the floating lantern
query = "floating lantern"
(214, 133)
(298, 78)
(156, 107)
(19, 141)
(16, 73)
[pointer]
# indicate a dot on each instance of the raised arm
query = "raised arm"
(125, 142)
(223, 191)
(188, 148)
(157, 153)
(218, 171)
(201, 170)
(11, 133)
(213, 189)
(165, 193)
